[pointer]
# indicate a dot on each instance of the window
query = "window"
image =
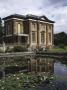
(49, 37)
(8, 29)
(33, 24)
(33, 36)
(42, 37)
(41, 25)
(50, 27)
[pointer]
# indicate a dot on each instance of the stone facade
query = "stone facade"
(31, 30)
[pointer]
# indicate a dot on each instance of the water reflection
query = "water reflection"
(32, 71)
(46, 66)
(60, 70)
(41, 65)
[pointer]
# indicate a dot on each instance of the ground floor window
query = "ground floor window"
(8, 40)
(49, 37)
(42, 37)
(33, 36)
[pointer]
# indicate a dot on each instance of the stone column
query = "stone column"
(45, 37)
(29, 35)
(52, 35)
(37, 34)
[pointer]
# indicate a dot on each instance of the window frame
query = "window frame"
(34, 37)
(42, 37)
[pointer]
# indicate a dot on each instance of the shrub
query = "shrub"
(61, 46)
(16, 49)
(8, 49)
(19, 48)
(1, 51)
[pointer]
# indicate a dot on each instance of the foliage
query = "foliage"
(16, 49)
(19, 48)
(60, 38)
(1, 30)
(8, 49)
(20, 80)
(19, 61)
(1, 51)
(62, 46)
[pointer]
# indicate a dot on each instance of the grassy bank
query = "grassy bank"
(57, 49)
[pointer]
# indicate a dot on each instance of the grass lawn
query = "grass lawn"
(59, 49)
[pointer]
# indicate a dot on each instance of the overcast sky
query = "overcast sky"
(54, 9)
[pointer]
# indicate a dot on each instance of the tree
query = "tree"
(60, 38)
(1, 30)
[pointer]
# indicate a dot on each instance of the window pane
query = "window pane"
(42, 37)
(8, 29)
(33, 36)
(33, 24)
(49, 37)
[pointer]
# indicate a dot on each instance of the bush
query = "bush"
(1, 51)
(16, 49)
(62, 46)
(19, 48)
(8, 49)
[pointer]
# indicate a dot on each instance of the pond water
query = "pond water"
(33, 73)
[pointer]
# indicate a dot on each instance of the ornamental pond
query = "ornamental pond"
(39, 73)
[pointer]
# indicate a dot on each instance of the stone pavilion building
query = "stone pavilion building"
(33, 31)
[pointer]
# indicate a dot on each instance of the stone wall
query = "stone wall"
(39, 27)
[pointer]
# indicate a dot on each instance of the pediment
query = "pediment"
(43, 18)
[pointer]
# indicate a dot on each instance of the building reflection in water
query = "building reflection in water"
(43, 66)
(39, 66)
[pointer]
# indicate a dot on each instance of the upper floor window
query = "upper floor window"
(8, 29)
(42, 26)
(33, 36)
(33, 24)
(50, 27)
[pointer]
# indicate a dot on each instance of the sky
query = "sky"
(55, 10)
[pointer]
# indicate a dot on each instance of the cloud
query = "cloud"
(59, 15)
(20, 6)
(54, 9)
(58, 1)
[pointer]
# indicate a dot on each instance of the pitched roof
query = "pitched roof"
(29, 16)
(14, 16)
